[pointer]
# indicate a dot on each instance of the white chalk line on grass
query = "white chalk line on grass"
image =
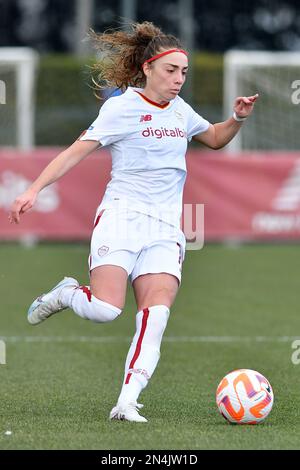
(166, 339)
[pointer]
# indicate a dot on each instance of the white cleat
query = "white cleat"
(48, 304)
(128, 412)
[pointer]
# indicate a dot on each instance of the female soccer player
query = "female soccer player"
(137, 225)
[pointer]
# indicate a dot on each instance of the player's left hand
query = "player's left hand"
(243, 105)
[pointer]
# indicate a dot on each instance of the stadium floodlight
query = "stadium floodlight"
(17, 74)
(276, 77)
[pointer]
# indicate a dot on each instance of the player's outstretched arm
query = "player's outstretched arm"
(55, 170)
(220, 134)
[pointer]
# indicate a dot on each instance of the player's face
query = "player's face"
(165, 76)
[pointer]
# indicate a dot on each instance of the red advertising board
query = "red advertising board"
(64, 210)
(246, 197)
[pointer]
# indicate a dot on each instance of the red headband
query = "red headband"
(157, 56)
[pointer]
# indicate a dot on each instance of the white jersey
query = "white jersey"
(148, 143)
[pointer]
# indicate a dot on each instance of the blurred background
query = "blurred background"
(56, 30)
(236, 47)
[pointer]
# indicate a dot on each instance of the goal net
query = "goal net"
(17, 80)
(276, 77)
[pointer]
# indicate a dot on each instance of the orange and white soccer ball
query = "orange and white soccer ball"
(244, 396)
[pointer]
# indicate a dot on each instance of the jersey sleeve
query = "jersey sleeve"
(108, 127)
(196, 124)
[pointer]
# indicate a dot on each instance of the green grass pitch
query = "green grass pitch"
(237, 308)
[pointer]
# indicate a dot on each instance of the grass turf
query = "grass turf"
(58, 386)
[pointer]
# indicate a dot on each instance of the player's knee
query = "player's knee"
(104, 312)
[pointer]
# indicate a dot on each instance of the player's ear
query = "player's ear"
(146, 69)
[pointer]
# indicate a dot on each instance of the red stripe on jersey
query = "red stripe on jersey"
(139, 342)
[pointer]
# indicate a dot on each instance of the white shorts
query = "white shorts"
(136, 242)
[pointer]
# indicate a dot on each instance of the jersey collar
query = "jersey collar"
(153, 103)
(139, 92)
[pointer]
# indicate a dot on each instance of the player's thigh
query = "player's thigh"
(155, 289)
(109, 284)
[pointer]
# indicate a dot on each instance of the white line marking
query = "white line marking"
(167, 339)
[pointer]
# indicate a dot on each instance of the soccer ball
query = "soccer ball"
(244, 396)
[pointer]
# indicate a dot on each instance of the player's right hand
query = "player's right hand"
(21, 204)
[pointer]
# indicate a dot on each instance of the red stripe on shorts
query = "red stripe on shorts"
(98, 218)
(95, 225)
(139, 343)
(179, 259)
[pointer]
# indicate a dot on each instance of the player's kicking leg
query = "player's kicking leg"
(48, 304)
(101, 302)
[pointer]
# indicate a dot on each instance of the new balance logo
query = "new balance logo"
(146, 117)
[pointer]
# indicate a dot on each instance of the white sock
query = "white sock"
(87, 306)
(144, 352)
